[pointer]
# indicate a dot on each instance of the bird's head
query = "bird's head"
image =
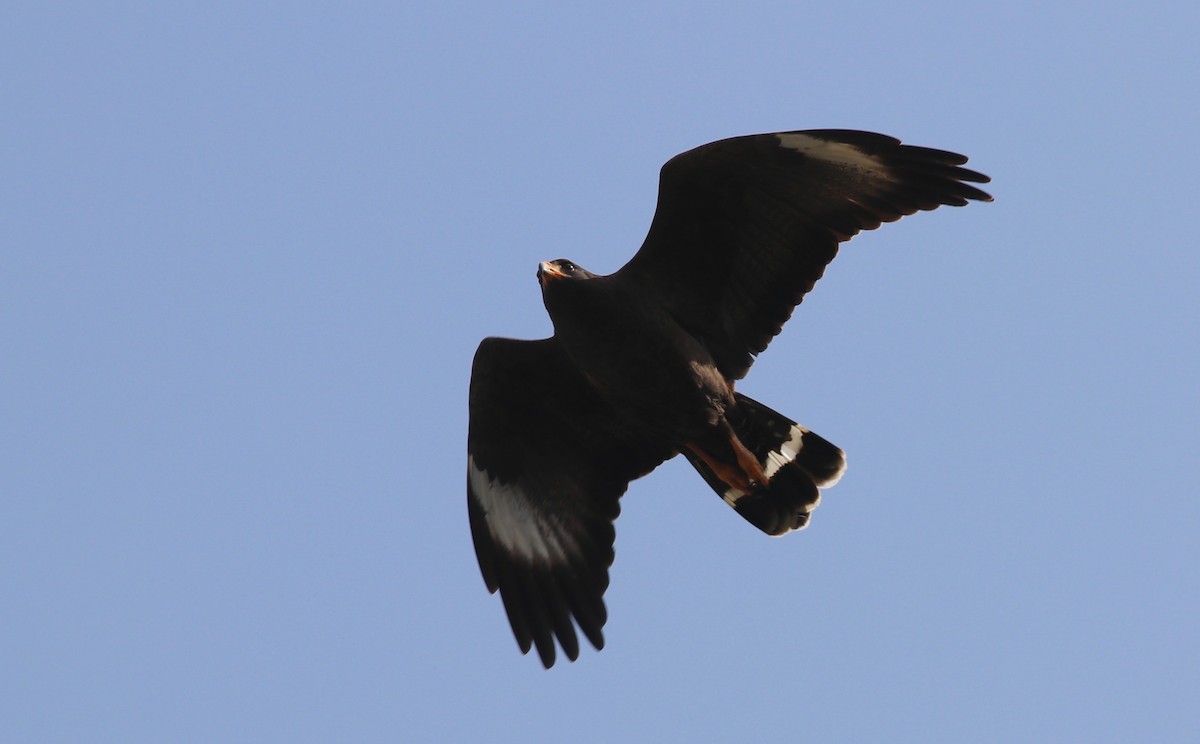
(561, 269)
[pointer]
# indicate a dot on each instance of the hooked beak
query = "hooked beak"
(547, 272)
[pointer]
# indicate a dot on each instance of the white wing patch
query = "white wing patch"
(513, 519)
(837, 153)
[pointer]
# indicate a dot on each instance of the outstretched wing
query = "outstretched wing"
(547, 463)
(745, 226)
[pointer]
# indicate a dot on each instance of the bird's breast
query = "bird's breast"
(642, 361)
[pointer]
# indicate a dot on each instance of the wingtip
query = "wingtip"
(546, 653)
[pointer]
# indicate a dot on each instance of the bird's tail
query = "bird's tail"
(794, 463)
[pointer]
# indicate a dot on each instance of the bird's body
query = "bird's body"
(643, 364)
(615, 334)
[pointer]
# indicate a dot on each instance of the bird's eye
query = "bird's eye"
(567, 267)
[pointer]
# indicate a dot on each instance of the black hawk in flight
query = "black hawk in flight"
(642, 364)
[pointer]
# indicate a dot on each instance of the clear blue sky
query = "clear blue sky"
(247, 251)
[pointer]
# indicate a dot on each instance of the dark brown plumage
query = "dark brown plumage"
(643, 362)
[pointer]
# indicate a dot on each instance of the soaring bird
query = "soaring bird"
(643, 362)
